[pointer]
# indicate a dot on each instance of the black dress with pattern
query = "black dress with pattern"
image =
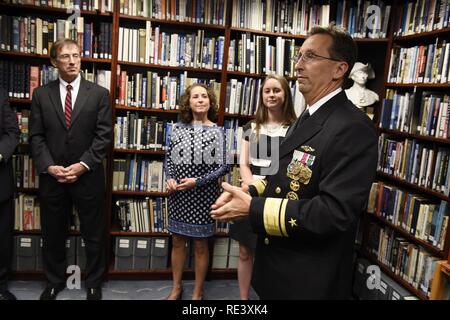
(195, 152)
(261, 153)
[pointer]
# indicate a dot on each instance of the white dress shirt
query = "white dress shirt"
(321, 102)
(63, 92)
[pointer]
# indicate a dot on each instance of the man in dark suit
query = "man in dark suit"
(306, 215)
(70, 132)
(9, 138)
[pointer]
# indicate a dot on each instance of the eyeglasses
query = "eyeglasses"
(66, 57)
(310, 56)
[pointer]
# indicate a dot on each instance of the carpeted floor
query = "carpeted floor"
(134, 290)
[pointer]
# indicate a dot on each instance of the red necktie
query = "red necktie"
(68, 106)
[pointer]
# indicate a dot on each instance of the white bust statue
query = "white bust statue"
(358, 93)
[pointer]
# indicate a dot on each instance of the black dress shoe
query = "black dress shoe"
(6, 295)
(94, 294)
(50, 293)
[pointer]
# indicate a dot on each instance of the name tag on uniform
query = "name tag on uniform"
(264, 163)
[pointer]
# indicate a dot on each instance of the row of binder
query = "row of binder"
(225, 254)
(141, 253)
(27, 253)
(131, 253)
(150, 253)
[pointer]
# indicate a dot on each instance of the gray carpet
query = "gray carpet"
(134, 290)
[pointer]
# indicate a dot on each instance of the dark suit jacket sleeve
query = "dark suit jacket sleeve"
(347, 170)
(39, 149)
(99, 147)
(257, 188)
(9, 135)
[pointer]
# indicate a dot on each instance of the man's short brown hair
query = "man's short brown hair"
(344, 48)
(56, 47)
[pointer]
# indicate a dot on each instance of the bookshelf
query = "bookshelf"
(419, 77)
(222, 28)
(221, 75)
(405, 234)
(393, 275)
(413, 186)
(165, 69)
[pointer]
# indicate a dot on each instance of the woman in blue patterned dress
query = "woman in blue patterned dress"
(194, 162)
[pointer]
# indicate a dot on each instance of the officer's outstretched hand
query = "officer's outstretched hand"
(233, 204)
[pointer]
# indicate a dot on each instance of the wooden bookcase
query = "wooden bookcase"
(441, 281)
(406, 41)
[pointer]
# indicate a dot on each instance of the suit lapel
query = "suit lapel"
(55, 98)
(301, 134)
(311, 126)
(83, 94)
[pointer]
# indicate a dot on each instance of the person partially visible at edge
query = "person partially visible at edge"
(195, 160)
(9, 139)
(307, 214)
(261, 142)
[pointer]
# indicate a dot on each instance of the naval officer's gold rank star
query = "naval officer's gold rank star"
(293, 222)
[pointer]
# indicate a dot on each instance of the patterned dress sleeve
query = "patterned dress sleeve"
(220, 167)
(169, 167)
